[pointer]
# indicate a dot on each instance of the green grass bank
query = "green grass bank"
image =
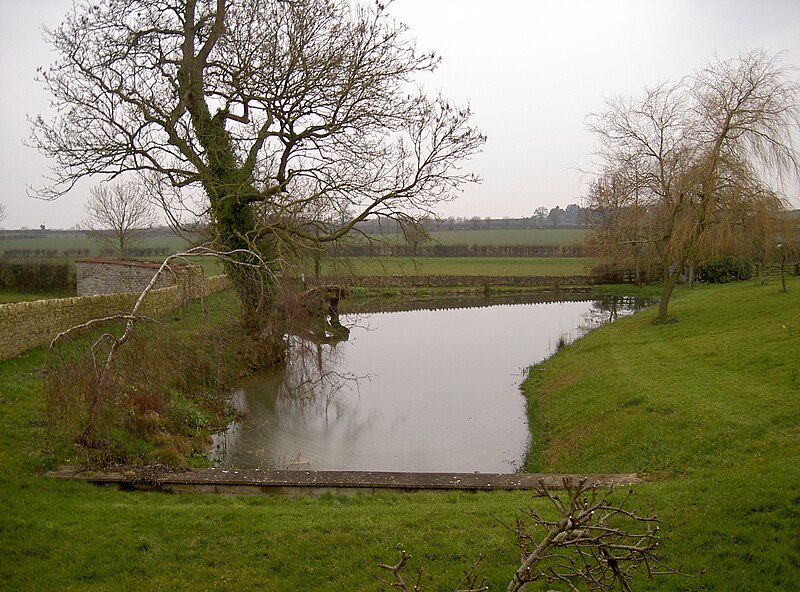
(708, 407)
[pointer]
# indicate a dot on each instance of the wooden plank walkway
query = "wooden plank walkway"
(295, 483)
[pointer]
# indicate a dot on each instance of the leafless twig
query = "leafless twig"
(593, 541)
(395, 570)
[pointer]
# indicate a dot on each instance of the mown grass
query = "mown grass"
(71, 536)
(708, 407)
(682, 393)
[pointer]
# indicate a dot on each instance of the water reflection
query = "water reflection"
(414, 390)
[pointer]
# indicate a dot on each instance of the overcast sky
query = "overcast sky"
(531, 71)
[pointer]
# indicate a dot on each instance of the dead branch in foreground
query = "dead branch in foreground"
(591, 541)
(469, 579)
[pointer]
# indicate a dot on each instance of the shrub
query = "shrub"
(721, 270)
(165, 393)
(36, 277)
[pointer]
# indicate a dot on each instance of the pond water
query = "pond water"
(417, 390)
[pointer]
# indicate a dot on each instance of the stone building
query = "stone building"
(114, 276)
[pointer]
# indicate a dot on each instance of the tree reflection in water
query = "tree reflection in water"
(312, 386)
(426, 390)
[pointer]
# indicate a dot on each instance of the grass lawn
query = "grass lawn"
(708, 408)
(73, 536)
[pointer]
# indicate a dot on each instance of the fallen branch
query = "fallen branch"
(593, 541)
(470, 579)
(398, 579)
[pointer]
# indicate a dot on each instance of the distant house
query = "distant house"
(114, 276)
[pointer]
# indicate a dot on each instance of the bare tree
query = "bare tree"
(282, 112)
(2, 212)
(591, 539)
(118, 216)
(705, 150)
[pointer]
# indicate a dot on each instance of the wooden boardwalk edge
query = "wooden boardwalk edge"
(294, 482)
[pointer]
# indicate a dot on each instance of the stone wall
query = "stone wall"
(449, 281)
(112, 276)
(25, 325)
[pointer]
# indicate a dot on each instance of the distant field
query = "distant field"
(533, 236)
(492, 266)
(72, 245)
(67, 246)
(65, 243)
(59, 241)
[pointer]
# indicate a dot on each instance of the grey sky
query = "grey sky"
(531, 71)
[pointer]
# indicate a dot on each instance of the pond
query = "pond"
(415, 390)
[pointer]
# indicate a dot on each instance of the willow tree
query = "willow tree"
(285, 114)
(710, 152)
(621, 223)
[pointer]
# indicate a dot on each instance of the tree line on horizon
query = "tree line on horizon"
(572, 216)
